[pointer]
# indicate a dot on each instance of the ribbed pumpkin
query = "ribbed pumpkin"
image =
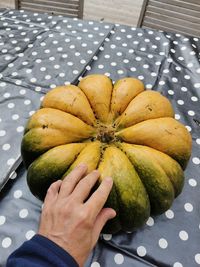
(123, 131)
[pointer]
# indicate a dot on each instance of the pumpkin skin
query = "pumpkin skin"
(122, 130)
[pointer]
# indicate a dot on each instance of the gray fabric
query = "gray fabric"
(168, 63)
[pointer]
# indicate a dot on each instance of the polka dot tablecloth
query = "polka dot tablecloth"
(38, 52)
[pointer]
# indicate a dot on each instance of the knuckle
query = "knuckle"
(84, 218)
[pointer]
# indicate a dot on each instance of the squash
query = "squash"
(122, 130)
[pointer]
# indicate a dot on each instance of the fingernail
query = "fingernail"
(108, 179)
(81, 165)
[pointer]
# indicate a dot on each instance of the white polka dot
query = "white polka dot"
(38, 60)
(28, 71)
(70, 63)
(198, 141)
(184, 89)
(10, 161)
(31, 112)
(180, 102)
(29, 234)
(2, 132)
(6, 242)
(177, 116)
(191, 113)
(183, 235)
(138, 58)
(178, 68)
(2, 219)
(174, 79)
(11, 105)
(149, 86)
(119, 258)
(13, 175)
(163, 243)
(75, 71)
(188, 207)
(197, 85)
(170, 92)
(198, 70)
(48, 77)
(194, 98)
(188, 128)
(133, 69)
(145, 66)
(169, 214)
(153, 74)
(150, 221)
(17, 194)
(14, 74)
(197, 258)
(53, 58)
(23, 213)
(161, 82)
(42, 68)
(6, 147)
(27, 102)
(101, 66)
(53, 86)
(177, 264)
(126, 61)
(20, 129)
(20, 54)
(15, 116)
(18, 82)
(187, 77)
(141, 251)
(196, 160)
(189, 65)
(2, 84)
(95, 264)
(120, 71)
(33, 80)
(107, 237)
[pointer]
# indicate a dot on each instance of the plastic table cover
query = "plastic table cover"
(38, 52)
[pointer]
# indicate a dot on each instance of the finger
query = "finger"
(71, 180)
(84, 187)
(101, 219)
(52, 193)
(96, 202)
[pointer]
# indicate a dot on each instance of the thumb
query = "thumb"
(104, 215)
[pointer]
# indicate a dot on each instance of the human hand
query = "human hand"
(71, 219)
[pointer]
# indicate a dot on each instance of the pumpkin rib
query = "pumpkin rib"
(124, 91)
(99, 101)
(145, 106)
(46, 169)
(90, 155)
(64, 98)
(164, 134)
(110, 166)
(157, 184)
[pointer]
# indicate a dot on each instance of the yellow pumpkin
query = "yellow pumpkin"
(122, 130)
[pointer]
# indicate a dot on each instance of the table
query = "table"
(38, 52)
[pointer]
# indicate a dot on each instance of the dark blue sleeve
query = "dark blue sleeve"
(40, 252)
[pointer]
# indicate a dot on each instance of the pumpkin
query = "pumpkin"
(122, 130)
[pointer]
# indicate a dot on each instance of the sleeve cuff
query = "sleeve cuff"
(55, 249)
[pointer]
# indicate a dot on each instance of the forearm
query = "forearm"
(40, 252)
